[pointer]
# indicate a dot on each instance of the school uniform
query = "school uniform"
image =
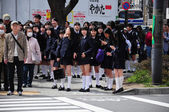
(120, 52)
(108, 61)
(49, 51)
(65, 51)
(133, 37)
(56, 32)
(86, 47)
(96, 45)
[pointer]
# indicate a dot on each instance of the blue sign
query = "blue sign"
(126, 5)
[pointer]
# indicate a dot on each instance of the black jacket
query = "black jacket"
(49, 46)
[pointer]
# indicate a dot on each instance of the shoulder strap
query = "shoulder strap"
(17, 43)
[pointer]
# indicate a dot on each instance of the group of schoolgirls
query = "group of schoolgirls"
(82, 47)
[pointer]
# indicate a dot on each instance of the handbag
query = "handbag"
(100, 55)
(59, 74)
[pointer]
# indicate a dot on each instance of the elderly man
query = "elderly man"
(15, 54)
(3, 66)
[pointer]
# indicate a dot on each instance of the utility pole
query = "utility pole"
(126, 18)
(156, 60)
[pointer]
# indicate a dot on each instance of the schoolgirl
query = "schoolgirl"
(108, 62)
(49, 55)
(93, 62)
(55, 48)
(65, 56)
(83, 55)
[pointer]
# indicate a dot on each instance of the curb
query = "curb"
(145, 91)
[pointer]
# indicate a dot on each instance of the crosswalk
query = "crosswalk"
(47, 104)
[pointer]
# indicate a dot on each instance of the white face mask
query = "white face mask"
(29, 34)
(2, 32)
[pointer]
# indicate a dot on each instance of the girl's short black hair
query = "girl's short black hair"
(84, 28)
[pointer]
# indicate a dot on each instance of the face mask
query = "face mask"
(2, 32)
(29, 34)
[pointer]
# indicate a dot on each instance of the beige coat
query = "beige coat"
(9, 47)
(32, 46)
(2, 41)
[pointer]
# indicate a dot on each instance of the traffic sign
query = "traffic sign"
(126, 5)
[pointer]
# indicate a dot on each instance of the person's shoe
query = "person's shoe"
(94, 78)
(36, 77)
(61, 88)
(129, 71)
(78, 76)
(74, 76)
(54, 87)
(49, 80)
(45, 77)
(82, 90)
(29, 85)
(24, 86)
(103, 87)
(98, 86)
(42, 75)
(124, 72)
(68, 89)
(101, 78)
(103, 75)
(87, 90)
(108, 89)
(20, 93)
(90, 86)
(9, 93)
(118, 91)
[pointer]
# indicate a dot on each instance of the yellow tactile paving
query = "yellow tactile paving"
(24, 93)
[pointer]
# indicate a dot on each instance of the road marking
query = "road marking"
(43, 104)
(82, 105)
(59, 111)
(147, 101)
(39, 108)
(24, 99)
(52, 101)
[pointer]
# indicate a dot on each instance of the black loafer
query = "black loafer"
(68, 89)
(54, 87)
(87, 90)
(118, 91)
(61, 88)
(82, 90)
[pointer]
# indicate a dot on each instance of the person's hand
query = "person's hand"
(83, 55)
(108, 54)
(103, 42)
(112, 47)
(24, 60)
(74, 56)
(58, 59)
(5, 61)
(44, 57)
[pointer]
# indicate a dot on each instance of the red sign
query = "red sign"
(126, 5)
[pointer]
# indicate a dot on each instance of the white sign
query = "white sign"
(167, 13)
(100, 7)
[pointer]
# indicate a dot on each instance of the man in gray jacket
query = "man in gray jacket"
(15, 54)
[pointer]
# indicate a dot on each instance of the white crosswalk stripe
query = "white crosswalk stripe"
(44, 104)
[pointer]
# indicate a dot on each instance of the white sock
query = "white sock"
(87, 82)
(52, 75)
(117, 83)
(121, 81)
(97, 79)
(78, 70)
(107, 81)
(128, 65)
(62, 82)
(90, 82)
(134, 68)
(55, 82)
(93, 71)
(73, 70)
(110, 83)
(36, 70)
(101, 71)
(69, 81)
(83, 82)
